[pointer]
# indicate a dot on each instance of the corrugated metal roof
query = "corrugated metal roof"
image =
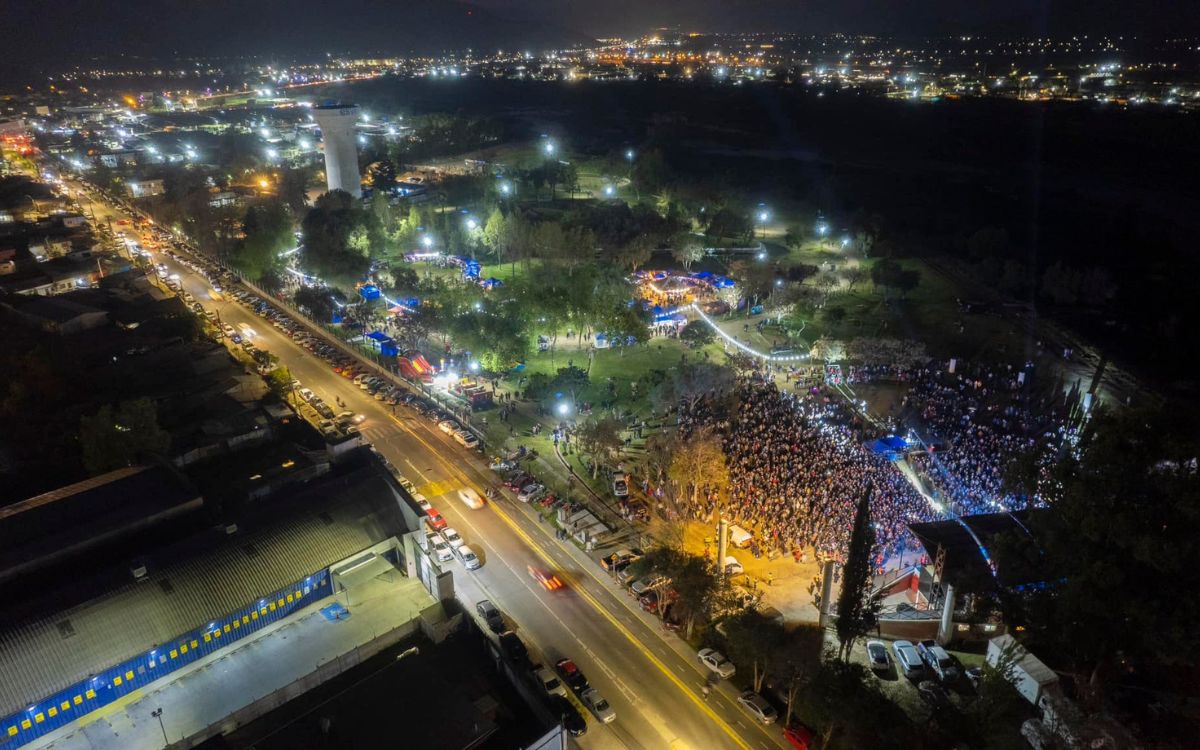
(205, 578)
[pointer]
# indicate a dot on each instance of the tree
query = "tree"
(687, 249)
(650, 171)
(279, 382)
(858, 611)
(120, 436)
(799, 661)
(699, 464)
(697, 380)
(382, 175)
(1121, 516)
(855, 275)
(755, 640)
(635, 252)
(697, 333)
(268, 230)
(600, 439)
(888, 273)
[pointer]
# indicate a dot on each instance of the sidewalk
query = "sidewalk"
(196, 699)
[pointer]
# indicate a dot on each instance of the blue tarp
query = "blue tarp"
(889, 447)
(370, 291)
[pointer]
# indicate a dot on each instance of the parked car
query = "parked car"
(571, 720)
(716, 662)
(877, 655)
(598, 705)
(548, 682)
(435, 520)
(465, 439)
(452, 538)
(448, 426)
(571, 675)
(512, 647)
(620, 485)
(441, 550)
(467, 557)
(491, 615)
(620, 558)
(908, 660)
(733, 567)
(939, 662)
(758, 707)
(530, 492)
(640, 587)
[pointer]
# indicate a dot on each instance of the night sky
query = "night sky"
(74, 30)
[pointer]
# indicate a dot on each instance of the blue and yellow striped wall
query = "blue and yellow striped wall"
(82, 698)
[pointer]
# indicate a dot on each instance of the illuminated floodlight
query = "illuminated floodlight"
(473, 366)
(629, 154)
(762, 256)
(549, 148)
(304, 144)
(763, 216)
(472, 224)
(822, 229)
(272, 153)
(610, 191)
(505, 188)
(564, 408)
(845, 242)
(427, 241)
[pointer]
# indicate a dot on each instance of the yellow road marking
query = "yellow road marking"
(629, 636)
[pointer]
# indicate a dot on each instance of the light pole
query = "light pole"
(763, 216)
(157, 713)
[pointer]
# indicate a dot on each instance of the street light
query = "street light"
(157, 713)
(427, 241)
(629, 154)
(505, 189)
(472, 224)
(564, 409)
(609, 191)
(549, 148)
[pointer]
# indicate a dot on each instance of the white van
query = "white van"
(739, 537)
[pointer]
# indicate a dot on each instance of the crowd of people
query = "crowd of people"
(797, 470)
(976, 421)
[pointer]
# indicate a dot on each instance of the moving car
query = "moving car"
(548, 580)
(758, 707)
(470, 498)
(491, 615)
(467, 557)
(598, 705)
(571, 675)
(571, 720)
(877, 655)
(908, 660)
(716, 662)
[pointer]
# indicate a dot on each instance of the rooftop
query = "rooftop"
(99, 615)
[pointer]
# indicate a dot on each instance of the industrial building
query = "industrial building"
(337, 123)
(105, 598)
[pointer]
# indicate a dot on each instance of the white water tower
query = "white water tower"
(341, 146)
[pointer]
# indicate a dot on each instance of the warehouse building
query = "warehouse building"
(95, 624)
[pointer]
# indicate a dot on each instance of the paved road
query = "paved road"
(654, 688)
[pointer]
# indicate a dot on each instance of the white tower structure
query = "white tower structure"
(341, 146)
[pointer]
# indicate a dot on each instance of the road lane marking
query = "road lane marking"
(575, 586)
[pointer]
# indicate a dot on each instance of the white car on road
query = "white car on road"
(470, 498)
(716, 661)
